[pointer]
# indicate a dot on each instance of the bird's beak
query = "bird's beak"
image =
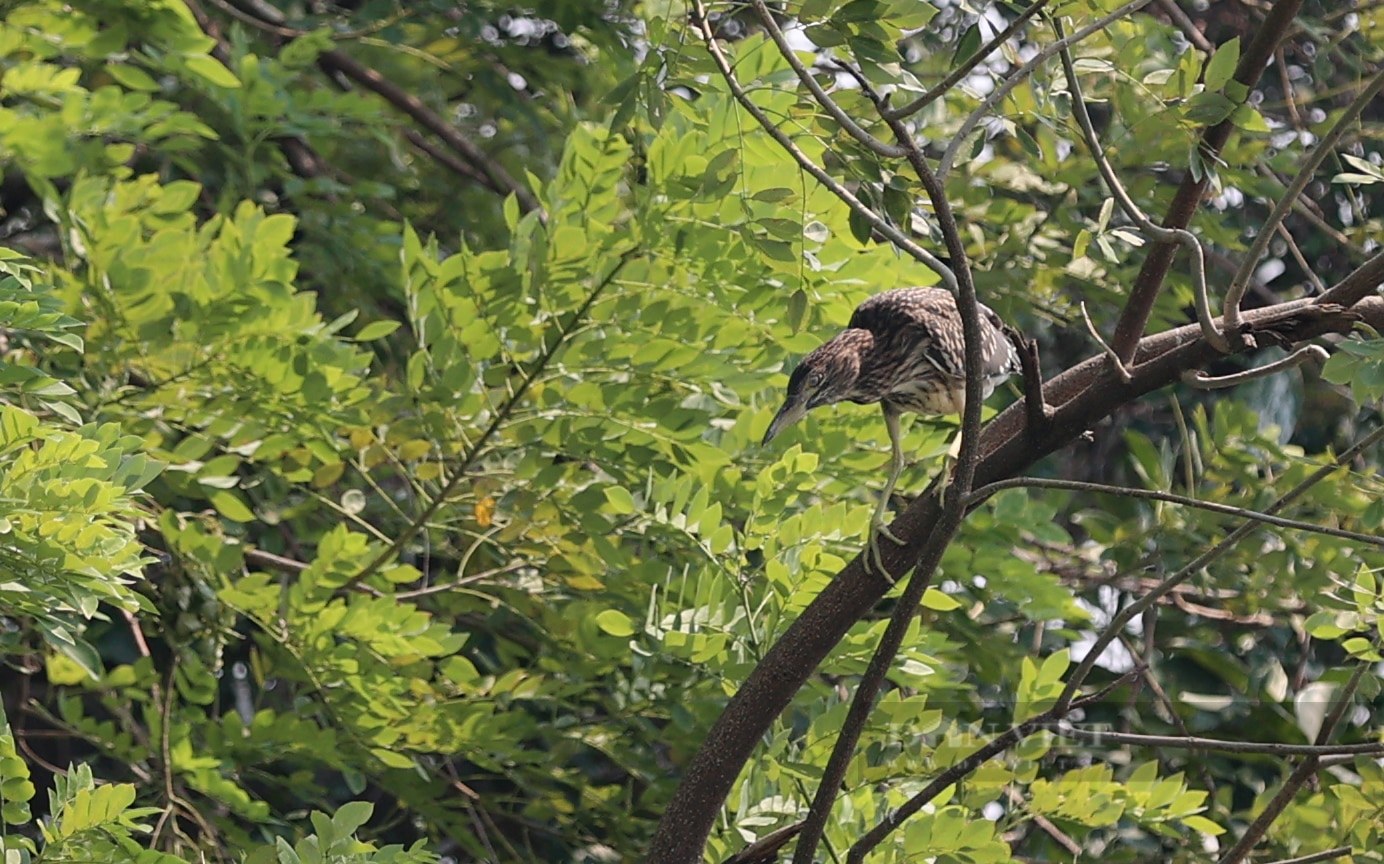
(791, 412)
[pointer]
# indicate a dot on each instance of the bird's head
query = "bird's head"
(827, 375)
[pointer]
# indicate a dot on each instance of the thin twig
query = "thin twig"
(1187, 742)
(1172, 498)
(1150, 679)
(1120, 368)
(1164, 235)
(889, 151)
(1187, 26)
(448, 160)
(1124, 616)
(1202, 381)
(1324, 855)
(1304, 209)
(461, 583)
(1304, 772)
(1036, 408)
(370, 79)
(878, 222)
(992, 748)
(1327, 145)
(500, 418)
(1318, 286)
(1021, 74)
(1045, 824)
(959, 74)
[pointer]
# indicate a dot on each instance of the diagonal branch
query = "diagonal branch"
(564, 332)
(1172, 498)
(1081, 397)
(957, 75)
(1133, 610)
(954, 773)
(890, 151)
(1180, 236)
(1325, 148)
(1303, 773)
(878, 222)
(370, 79)
(1022, 74)
(1135, 315)
(953, 509)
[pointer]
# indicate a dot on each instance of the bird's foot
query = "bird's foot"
(875, 555)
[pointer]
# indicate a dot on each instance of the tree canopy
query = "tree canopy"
(382, 389)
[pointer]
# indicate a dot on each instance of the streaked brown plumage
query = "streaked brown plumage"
(904, 349)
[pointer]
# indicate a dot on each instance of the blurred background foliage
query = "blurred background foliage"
(382, 390)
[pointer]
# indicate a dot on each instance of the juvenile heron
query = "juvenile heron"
(905, 350)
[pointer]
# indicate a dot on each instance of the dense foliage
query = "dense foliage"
(381, 396)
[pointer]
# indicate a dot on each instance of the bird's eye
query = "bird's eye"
(814, 380)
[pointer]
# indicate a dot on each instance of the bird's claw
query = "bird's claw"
(878, 529)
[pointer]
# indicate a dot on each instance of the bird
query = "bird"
(904, 349)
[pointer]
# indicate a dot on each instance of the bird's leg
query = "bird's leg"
(877, 526)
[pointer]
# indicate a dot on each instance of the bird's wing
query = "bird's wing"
(916, 319)
(926, 319)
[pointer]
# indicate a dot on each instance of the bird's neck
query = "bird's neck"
(872, 379)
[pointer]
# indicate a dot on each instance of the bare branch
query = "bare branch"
(1324, 855)
(1236, 292)
(1021, 74)
(891, 151)
(879, 223)
(1132, 211)
(1202, 381)
(1036, 408)
(992, 748)
(1120, 368)
(1186, 742)
(960, 72)
(1118, 622)
(986, 491)
(1187, 26)
(370, 79)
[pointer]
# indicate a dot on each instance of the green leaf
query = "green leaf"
(615, 623)
(620, 500)
(230, 505)
(1221, 67)
(938, 601)
(376, 330)
(211, 70)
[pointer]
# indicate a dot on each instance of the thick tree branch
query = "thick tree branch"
(1080, 397)
(953, 509)
(1131, 210)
